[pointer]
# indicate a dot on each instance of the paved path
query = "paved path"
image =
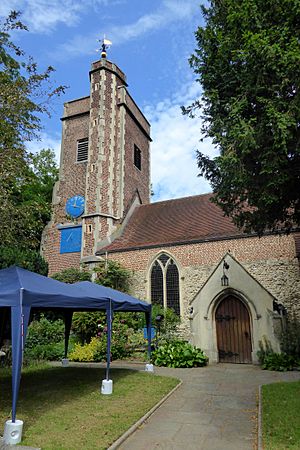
(214, 409)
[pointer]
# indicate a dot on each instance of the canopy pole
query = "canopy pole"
(107, 384)
(68, 322)
(109, 327)
(19, 324)
(148, 324)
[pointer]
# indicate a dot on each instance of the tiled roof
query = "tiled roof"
(174, 222)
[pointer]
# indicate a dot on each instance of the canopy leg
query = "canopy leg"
(107, 384)
(68, 322)
(149, 366)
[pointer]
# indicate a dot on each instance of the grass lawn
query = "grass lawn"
(62, 408)
(281, 416)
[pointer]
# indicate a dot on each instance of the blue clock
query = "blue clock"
(75, 206)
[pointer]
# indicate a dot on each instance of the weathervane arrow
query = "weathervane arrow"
(105, 44)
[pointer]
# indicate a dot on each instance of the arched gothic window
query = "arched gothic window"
(165, 283)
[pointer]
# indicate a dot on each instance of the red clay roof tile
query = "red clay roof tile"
(174, 221)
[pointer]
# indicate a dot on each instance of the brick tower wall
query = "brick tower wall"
(108, 181)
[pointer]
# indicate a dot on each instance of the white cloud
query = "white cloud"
(43, 16)
(170, 11)
(173, 150)
(46, 141)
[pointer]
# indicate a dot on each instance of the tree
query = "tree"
(248, 62)
(25, 185)
(28, 202)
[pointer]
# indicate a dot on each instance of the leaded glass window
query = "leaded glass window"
(157, 290)
(165, 283)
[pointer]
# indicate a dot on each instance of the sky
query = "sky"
(152, 41)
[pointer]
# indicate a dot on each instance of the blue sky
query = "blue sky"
(151, 43)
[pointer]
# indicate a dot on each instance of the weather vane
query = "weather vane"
(105, 44)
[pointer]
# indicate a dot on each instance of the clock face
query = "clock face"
(75, 206)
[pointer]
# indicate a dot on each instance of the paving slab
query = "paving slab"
(4, 446)
(215, 408)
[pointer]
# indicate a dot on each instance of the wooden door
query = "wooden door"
(233, 331)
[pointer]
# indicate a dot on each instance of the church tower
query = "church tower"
(104, 169)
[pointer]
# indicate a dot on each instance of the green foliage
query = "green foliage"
(28, 259)
(49, 352)
(270, 360)
(85, 352)
(96, 349)
(44, 331)
(179, 354)
(26, 179)
(113, 275)
(72, 275)
(169, 325)
(280, 362)
(85, 324)
(290, 337)
(248, 63)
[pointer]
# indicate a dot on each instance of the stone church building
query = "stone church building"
(227, 287)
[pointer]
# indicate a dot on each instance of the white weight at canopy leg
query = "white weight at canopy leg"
(149, 368)
(107, 387)
(65, 362)
(13, 432)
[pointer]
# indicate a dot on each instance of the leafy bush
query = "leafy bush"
(51, 352)
(28, 259)
(44, 332)
(280, 362)
(72, 275)
(85, 324)
(168, 327)
(271, 360)
(290, 337)
(96, 349)
(85, 352)
(112, 274)
(179, 354)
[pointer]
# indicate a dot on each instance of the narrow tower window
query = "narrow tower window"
(137, 158)
(82, 150)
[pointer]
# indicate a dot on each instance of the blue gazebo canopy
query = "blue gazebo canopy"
(22, 290)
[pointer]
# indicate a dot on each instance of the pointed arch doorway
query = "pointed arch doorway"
(233, 331)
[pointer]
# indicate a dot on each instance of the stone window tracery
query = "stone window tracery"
(165, 283)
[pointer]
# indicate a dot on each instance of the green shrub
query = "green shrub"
(28, 259)
(168, 327)
(113, 275)
(50, 352)
(85, 352)
(72, 275)
(290, 337)
(95, 350)
(179, 354)
(85, 324)
(44, 332)
(270, 360)
(280, 362)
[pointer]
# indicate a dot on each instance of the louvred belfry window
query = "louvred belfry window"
(82, 150)
(165, 283)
